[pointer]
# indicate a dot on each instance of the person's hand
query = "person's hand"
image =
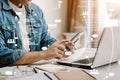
(69, 47)
(56, 50)
(68, 44)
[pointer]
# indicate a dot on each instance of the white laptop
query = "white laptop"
(107, 51)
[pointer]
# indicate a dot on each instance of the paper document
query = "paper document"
(80, 54)
(51, 67)
(38, 76)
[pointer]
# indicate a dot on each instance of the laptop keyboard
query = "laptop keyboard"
(89, 50)
(84, 61)
(87, 56)
(88, 53)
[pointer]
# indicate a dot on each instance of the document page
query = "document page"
(38, 76)
(75, 56)
(51, 67)
(82, 53)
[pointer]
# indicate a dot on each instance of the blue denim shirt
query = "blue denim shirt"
(10, 38)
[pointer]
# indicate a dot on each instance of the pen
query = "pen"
(35, 70)
(48, 76)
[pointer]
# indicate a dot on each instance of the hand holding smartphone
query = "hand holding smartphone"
(74, 39)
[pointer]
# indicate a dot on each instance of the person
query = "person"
(24, 34)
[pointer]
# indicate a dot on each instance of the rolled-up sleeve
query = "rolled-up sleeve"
(8, 56)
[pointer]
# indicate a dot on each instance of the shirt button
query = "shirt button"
(30, 34)
(8, 27)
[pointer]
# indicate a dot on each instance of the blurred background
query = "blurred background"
(67, 17)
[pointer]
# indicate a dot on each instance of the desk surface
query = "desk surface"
(108, 72)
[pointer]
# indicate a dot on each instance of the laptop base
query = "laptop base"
(75, 65)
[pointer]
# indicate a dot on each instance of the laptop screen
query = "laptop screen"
(108, 48)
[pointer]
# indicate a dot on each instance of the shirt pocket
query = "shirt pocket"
(35, 30)
(9, 27)
(9, 34)
(34, 34)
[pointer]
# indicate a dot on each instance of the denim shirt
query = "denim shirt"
(10, 38)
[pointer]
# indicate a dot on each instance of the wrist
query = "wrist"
(44, 55)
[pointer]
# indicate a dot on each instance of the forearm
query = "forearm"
(31, 57)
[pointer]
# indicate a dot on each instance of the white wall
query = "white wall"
(53, 12)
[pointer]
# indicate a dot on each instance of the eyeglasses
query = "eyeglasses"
(21, 71)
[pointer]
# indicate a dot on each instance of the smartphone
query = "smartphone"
(74, 39)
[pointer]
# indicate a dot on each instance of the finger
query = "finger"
(61, 47)
(63, 41)
(70, 43)
(70, 47)
(61, 52)
(59, 56)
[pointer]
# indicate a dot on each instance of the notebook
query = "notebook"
(76, 74)
(107, 51)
